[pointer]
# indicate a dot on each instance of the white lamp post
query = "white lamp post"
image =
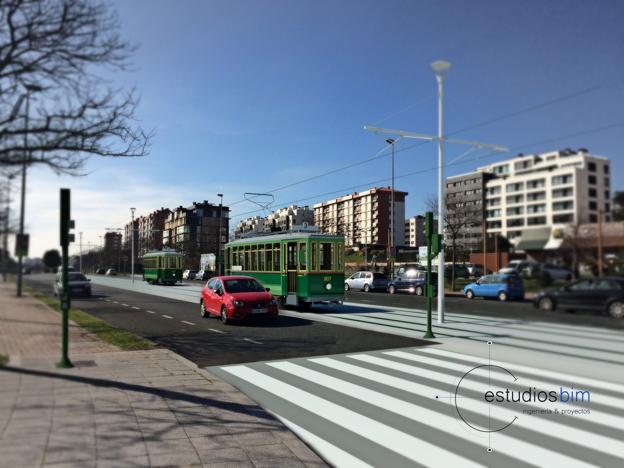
(132, 245)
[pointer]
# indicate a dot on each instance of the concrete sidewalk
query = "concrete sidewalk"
(122, 408)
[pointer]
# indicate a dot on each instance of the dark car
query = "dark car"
(602, 294)
(77, 282)
(412, 281)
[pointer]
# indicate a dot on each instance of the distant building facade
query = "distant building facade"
(151, 229)
(127, 236)
(112, 241)
(363, 217)
(280, 220)
(415, 231)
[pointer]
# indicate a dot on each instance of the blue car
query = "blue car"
(502, 286)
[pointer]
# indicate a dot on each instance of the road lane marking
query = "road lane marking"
(107, 300)
(217, 331)
(115, 302)
(251, 341)
(188, 323)
(137, 308)
(167, 317)
(150, 311)
(125, 305)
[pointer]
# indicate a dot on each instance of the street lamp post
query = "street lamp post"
(26, 159)
(391, 142)
(219, 271)
(80, 247)
(5, 254)
(132, 245)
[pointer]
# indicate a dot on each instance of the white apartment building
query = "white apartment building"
(280, 220)
(363, 217)
(533, 196)
(249, 226)
(415, 231)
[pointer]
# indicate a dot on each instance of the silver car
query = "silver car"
(78, 284)
(366, 281)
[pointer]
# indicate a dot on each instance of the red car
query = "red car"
(236, 298)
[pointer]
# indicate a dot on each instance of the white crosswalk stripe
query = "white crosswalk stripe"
(366, 408)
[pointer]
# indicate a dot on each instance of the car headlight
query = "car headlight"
(328, 286)
(238, 303)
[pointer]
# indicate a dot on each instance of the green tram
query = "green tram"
(162, 267)
(299, 268)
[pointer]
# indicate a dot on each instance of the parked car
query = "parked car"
(412, 281)
(205, 275)
(100, 271)
(520, 267)
(554, 272)
(77, 282)
(366, 281)
(505, 287)
(111, 272)
(476, 270)
(189, 274)
(236, 298)
(603, 294)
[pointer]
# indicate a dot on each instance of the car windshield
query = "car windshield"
(76, 277)
(243, 285)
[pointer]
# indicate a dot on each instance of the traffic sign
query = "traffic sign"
(21, 245)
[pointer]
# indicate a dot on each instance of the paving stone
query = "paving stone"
(214, 442)
(266, 452)
(169, 446)
(229, 455)
(127, 462)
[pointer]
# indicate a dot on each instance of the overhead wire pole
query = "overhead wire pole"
(132, 245)
(439, 68)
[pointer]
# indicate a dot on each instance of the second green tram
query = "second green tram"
(162, 267)
(298, 268)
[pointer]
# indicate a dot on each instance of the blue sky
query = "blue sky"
(252, 95)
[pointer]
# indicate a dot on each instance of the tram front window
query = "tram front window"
(327, 257)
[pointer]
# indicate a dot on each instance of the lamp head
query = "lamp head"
(390, 141)
(440, 67)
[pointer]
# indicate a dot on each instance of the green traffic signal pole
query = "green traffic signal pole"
(65, 295)
(429, 286)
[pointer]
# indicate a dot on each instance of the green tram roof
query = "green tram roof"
(283, 236)
(163, 253)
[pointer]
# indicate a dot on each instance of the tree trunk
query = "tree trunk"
(453, 268)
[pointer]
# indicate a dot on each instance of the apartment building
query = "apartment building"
(531, 197)
(112, 241)
(196, 227)
(249, 226)
(465, 201)
(415, 231)
(280, 220)
(127, 236)
(363, 217)
(150, 231)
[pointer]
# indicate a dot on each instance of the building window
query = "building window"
(493, 191)
(493, 202)
(494, 225)
(493, 213)
(536, 221)
(514, 187)
(515, 222)
(607, 194)
(591, 179)
(607, 207)
(593, 218)
(593, 192)
(562, 179)
(515, 211)
(536, 208)
(565, 205)
(537, 183)
(502, 169)
(562, 193)
(591, 166)
(607, 182)
(536, 196)
(563, 218)
(513, 234)
(593, 205)
(606, 168)
(515, 199)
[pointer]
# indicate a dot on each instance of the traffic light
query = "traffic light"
(66, 223)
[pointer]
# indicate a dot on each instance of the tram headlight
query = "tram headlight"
(328, 286)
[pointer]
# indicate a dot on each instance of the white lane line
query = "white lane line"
(504, 444)
(217, 331)
(188, 323)
(125, 305)
(337, 456)
(115, 302)
(150, 311)
(136, 308)
(107, 300)
(251, 341)
(167, 317)
(555, 428)
(397, 441)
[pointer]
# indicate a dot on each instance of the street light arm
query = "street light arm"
(477, 144)
(401, 133)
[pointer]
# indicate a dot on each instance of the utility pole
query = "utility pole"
(600, 265)
(66, 237)
(80, 236)
(439, 67)
(7, 226)
(391, 142)
(219, 270)
(132, 245)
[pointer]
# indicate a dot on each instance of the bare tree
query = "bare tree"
(457, 218)
(50, 52)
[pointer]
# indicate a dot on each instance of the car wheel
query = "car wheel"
(470, 294)
(502, 296)
(366, 288)
(546, 304)
(419, 291)
(616, 309)
(202, 309)
(347, 287)
(391, 289)
(224, 317)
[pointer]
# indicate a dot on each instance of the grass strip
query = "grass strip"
(3, 360)
(106, 332)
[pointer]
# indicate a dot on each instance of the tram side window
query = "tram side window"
(302, 256)
(241, 258)
(228, 262)
(326, 251)
(254, 258)
(268, 262)
(246, 260)
(261, 263)
(276, 257)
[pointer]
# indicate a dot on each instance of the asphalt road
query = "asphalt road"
(178, 326)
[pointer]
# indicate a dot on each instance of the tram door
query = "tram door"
(291, 266)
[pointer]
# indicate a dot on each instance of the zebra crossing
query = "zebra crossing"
(395, 408)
